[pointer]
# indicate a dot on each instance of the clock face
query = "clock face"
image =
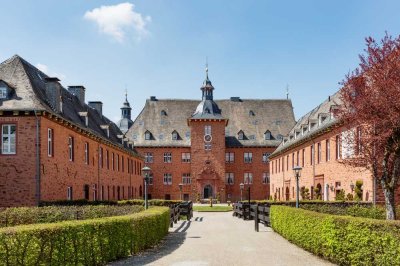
(207, 138)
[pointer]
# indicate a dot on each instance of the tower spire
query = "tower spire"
(287, 91)
(206, 67)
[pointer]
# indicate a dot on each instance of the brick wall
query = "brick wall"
(324, 172)
(18, 172)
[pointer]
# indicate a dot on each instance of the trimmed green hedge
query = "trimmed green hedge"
(88, 242)
(351, 210)
(152, 202)
(341, 239)
(52, 214)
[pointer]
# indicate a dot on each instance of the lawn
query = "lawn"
(212, 209)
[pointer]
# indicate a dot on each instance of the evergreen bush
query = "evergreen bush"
(341, 239)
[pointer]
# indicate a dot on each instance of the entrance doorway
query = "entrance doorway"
(207, 192)
(287, 194)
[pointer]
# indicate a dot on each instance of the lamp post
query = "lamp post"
(352, 187)
(297, 173)
(248, 190)
(146, 172)
(241, 191)
(180, 190)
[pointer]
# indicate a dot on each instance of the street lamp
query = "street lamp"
(297, 173)
(241, 191)
(146, 173)
(180, 189)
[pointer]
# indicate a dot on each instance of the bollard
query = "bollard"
(256, 218)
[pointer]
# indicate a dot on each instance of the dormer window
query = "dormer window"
(3, 93)
(267, 135)
(304, 129)
(279, 137)
(147, 135)
(297, 134)
(207, 111)
(163, 113)
(251, 113)
(175, 135)
(240, 135)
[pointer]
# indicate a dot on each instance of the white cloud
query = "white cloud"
(118, 20)
(45, 69)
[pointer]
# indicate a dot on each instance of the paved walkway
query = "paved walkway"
(220, 239)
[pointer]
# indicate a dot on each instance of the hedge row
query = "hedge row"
(152, 202)
(351, 210)
(341, 239)
(88, 242)
(51, 214)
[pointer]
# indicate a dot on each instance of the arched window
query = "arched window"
(267, 135)
(175, 135)
(147, 135)
(241, 135)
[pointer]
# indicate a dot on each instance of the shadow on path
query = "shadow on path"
(172, 241)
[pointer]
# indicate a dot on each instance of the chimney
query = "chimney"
(98, 106)
(53, 93)
(236, 99)
(79, 92)
(153, 98)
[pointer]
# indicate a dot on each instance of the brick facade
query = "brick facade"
(57, 173)
(325, 170)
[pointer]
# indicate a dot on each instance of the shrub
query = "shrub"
(80, 202)
(89, 242)
(340, 196)
(304, 193)
(51, 214)
(358, 190)
(366, 211)
(349, 197)
(153, 202)
(341, 239)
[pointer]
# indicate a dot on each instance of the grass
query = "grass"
(212, 209)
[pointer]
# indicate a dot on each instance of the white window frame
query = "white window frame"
(50, 142)
(265, 157)
(69, 193)
(248, 178)
(207, 130)
(230, 178)
(86, 147)
(248, 157)
(267, 135)
(8, 140)
(229, 157)
(328, 150)
(167, 180)
(265, 178)
(174, 135)
(167, 157)
(71, 148)
(207, 146)
(147, 135)
(186, 179)
(148, 157)
(3, 93)
(186, 157)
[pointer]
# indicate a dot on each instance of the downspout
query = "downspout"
(37, 159)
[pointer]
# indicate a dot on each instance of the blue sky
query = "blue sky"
(159, 47)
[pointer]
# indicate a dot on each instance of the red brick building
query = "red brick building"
(317, 143)
(54, 146)
(208, 146)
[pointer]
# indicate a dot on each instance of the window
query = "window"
(186, 157)
(248, 157)
(150, 180)
(298, 159)
(338, 143)
(186, 180)
(167, 179)
(86, 147)
(229, 157)
(163, 113)
(8, 139)
(147, 135)
(359, 149)
(117, 162)
(175, 135)
(107, 160)
(303, 159)
(71, 148)
(287, 163)
(148, 157)
(292, 160)
(248, 178)
(112, 161)
(267, 135)
(50, 142)
(328, 150)
(207, 130)
(241, 135)
(122, 164)
(265, 178)
(251, 113)
(3, 93)
(101, 157)
(207, 146)
(265, 157)
(167, 157)
(312, 154)
(230, 178)
(69, 193)
(319, 152)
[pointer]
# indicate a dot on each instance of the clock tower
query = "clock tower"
(207, 126)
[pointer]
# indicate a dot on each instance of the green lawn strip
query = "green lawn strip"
(212, 209)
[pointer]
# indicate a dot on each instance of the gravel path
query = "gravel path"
(220, 239)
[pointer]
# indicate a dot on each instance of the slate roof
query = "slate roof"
(273, 115)
(28, 84)
(322, 117)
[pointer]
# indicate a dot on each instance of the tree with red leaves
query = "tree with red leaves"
(371, 108)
